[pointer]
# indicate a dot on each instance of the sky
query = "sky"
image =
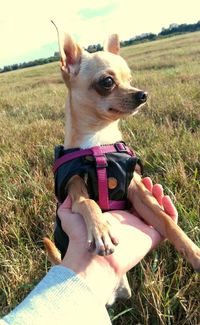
(26, 32)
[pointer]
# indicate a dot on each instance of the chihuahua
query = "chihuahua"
(99, 94)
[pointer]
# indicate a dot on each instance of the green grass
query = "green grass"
(165, 134)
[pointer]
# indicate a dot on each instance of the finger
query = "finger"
(147, 183)
(157, 192)
(169, 208)
(65, 207)
(67, 204)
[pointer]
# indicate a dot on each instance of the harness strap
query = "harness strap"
(117, 147)
(101, 164)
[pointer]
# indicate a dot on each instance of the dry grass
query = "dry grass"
(167, 137)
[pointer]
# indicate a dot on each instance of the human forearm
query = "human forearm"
(61, 297)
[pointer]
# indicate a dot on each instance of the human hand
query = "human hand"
(136, 239)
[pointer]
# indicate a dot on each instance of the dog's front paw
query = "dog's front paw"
(101, 238)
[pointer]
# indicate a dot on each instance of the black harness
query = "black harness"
(98, 166)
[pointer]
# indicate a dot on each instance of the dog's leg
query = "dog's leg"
(100, 237)
(122, 291)
(53, 253)
(147, 206)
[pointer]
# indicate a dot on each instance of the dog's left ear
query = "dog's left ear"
(112, 44)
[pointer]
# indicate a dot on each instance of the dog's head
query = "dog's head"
(100, 81)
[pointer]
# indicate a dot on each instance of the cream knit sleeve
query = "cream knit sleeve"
(61, 297)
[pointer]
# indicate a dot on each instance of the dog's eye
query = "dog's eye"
(104, 86)
(106, 83)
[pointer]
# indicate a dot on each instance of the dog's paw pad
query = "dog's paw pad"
(102, 251)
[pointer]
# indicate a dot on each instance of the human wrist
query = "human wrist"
(96, 270)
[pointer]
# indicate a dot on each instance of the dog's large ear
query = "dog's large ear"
(70, 54)
(112, 44)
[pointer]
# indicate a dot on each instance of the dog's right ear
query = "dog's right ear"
(112, 44)
(70, 54)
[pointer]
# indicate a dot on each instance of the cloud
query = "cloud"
(88, 13)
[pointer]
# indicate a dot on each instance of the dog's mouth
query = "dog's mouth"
(115, 111)
(123, 112)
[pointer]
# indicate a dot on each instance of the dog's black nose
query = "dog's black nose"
(141, 97)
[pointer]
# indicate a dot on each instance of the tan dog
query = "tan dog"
(100, 93)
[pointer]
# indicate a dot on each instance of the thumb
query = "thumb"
(66, 205)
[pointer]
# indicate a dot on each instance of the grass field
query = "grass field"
(165, 134)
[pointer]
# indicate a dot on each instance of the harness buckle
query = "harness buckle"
(120, 147)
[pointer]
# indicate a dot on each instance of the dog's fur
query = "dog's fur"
(100, 93)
